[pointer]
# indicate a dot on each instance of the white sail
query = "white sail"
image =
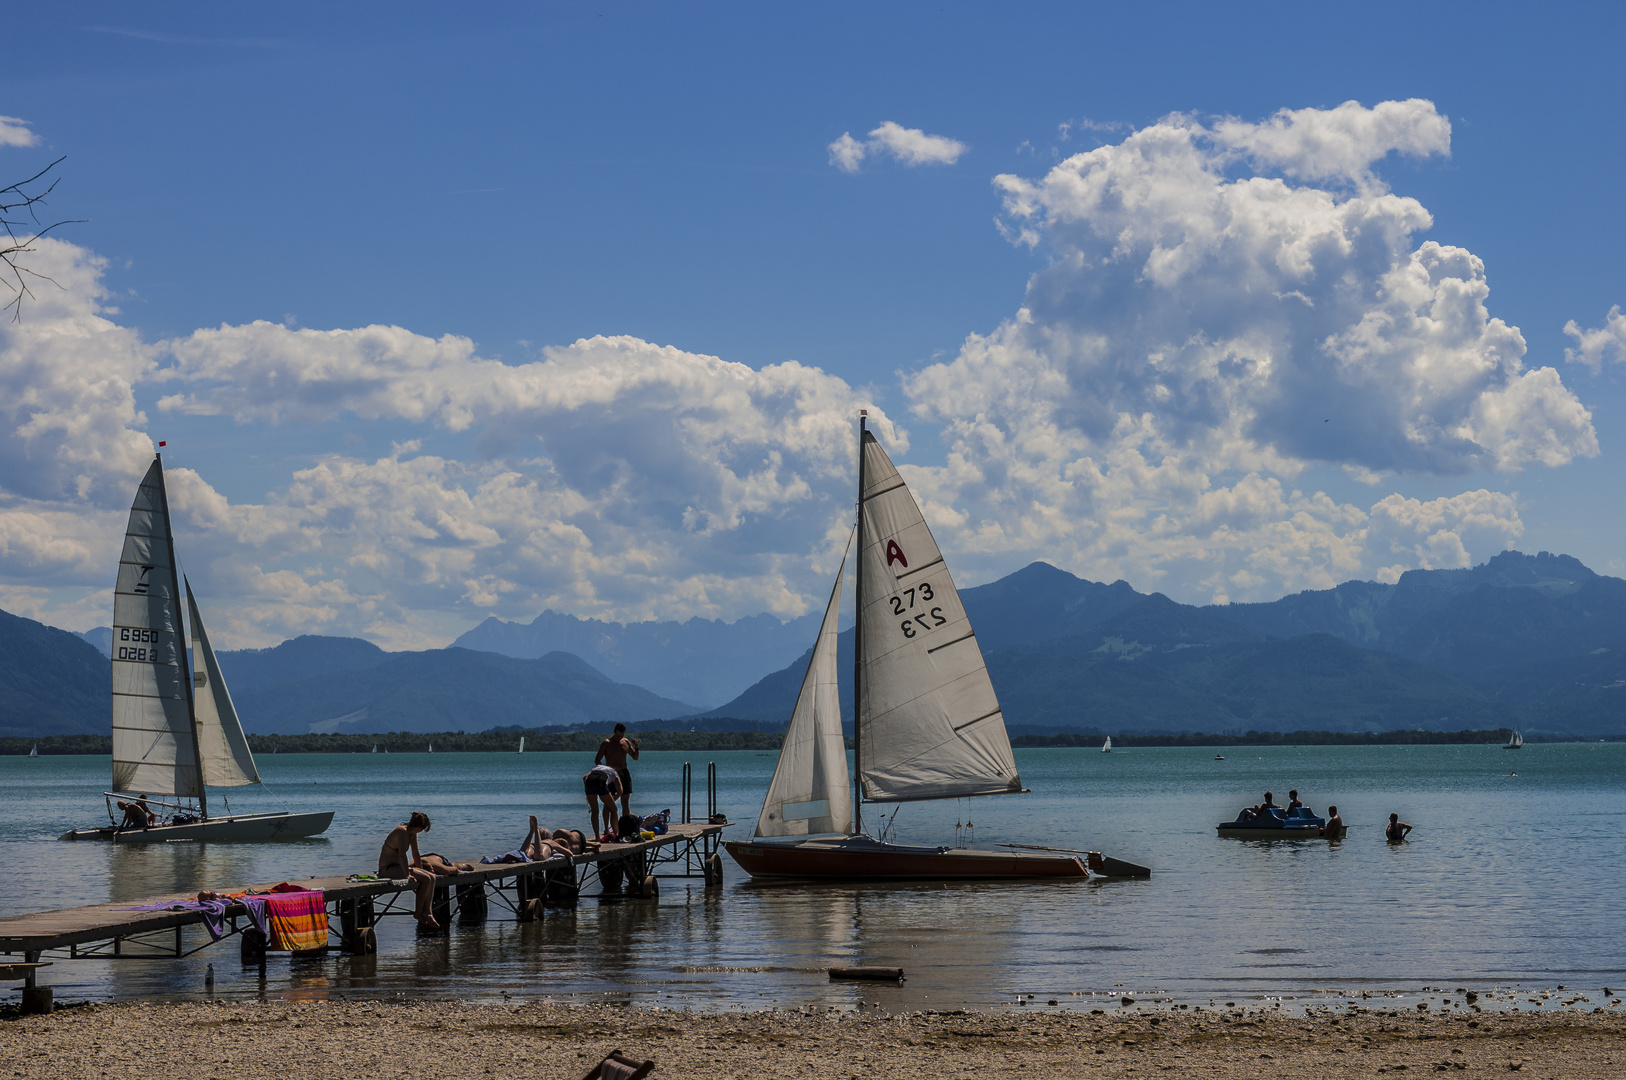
(154, 751)
(227, 760)
(929, 724)
(522, 744)
(809, 793)
(1106, 747)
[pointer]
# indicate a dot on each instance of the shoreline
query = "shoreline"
(455, 1040)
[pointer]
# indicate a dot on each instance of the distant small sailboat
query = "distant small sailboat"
(1515, 743)
(34, 751)
(522, 744)
(375, 748)
(1106, 747)
(1219, 757)
(431, 748)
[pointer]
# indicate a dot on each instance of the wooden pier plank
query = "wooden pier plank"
(44, 930)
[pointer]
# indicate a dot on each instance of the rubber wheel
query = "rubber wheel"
(714, 870)
(363, 942)
(652, 888)
(530, 910)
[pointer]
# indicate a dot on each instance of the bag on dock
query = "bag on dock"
(657, 823)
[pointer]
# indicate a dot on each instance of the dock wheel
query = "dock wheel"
(714, 870)
(362, 942)
(651, 889)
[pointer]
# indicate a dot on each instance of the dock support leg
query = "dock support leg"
(37, 999)
(561, 887)
(356, 935)
(471, 904)
(254, 946)
(527, 896)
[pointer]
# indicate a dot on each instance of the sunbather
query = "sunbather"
(399, 859)
(543, 844)
(441, 866)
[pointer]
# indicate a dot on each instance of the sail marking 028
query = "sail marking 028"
(154, 747)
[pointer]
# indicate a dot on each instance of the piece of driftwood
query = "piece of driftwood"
(868, 974)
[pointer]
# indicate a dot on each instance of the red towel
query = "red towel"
(298, 920)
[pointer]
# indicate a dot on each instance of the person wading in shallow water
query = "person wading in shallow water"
(1334, 828)
(614, 752)
(1397, 829)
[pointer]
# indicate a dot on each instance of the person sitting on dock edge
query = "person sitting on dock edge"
(614, 752)
(399, 859)
(603, 786)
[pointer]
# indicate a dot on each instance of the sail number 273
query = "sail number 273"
(917, 618)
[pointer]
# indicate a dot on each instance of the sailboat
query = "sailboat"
(175, 730)
(375, 748)
(34, 751)
(1106, 747)
(521, 744)
(927, 722)
(1515, 743)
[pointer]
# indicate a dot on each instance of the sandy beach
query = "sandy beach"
(451, 1039)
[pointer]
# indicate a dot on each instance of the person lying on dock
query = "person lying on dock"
(1397, 829)
(441, 866)
(603, 786)
(399, 859)
(542, 844)
(1334, 828)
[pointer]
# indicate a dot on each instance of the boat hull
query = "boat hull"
(1278, 832)
(235, 829)
(863, 859)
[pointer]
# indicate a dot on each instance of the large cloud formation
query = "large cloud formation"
(1226, 308)
(1227, 304)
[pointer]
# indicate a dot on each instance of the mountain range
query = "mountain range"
(704, 660)
(1537, 641)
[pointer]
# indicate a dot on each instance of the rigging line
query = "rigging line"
(956, 641)
(978, 720)
(883, 491)
(918, 569)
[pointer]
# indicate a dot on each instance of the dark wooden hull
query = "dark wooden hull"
(859, 858)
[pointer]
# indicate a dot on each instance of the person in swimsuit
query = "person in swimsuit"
(542, 844)
(1397, 829)
(1293, 802)
(399, 859)
(136, 815)
(614, 752)
(1334, 828)
(603, 786)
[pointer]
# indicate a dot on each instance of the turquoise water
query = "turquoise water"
(1507, 881)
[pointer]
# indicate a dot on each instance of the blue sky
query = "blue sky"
(523, 177)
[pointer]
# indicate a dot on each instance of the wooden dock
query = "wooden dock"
(113, 931)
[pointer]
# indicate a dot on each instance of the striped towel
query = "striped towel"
(298, 920)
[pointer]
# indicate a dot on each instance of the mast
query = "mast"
(858, 640)
(180, 643)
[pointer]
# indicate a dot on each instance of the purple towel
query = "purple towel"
(213, 911)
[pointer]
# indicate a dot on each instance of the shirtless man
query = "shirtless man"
(399, 858)
(614, 752)
(1334, 828)
(1397, 829)
(603, 785)
(136, 815)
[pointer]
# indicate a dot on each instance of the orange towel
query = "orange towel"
(298, 920)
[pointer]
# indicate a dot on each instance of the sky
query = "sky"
(449, 314)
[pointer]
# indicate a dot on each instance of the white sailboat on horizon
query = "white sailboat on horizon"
(521, 744)
(175, 730)
(1106, 747)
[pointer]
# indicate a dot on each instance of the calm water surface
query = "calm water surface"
(1507, 881)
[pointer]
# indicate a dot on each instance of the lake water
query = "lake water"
(1510, 881)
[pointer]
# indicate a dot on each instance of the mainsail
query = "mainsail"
(929, 725)
(809, 792)
(227, 760)
(154, 749)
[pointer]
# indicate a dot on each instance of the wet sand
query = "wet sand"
(448, 1039)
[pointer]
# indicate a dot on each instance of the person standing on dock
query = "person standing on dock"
(603, 785)
(614, 752)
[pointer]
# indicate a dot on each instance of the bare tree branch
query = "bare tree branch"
(19, 217)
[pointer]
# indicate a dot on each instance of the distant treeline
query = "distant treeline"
(1274, 738)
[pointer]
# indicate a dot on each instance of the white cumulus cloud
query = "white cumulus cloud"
(1201, 337)
(14, 132)
(1593, 347)
(908, 146)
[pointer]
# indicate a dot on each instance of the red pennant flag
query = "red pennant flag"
(162, 443)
